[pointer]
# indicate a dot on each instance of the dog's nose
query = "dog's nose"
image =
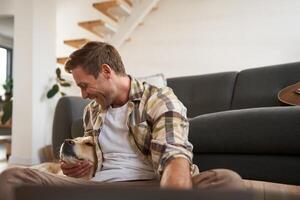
(67, 147)
(69, 142)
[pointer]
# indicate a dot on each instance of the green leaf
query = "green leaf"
(63, 94)
(61, 79)
(64, 83)
(58, 73)
(8, 86)
(52, 91)
(7, 111)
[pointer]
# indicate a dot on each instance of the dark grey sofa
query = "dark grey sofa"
(236, 122)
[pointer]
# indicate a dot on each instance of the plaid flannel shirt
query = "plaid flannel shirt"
(158, 127)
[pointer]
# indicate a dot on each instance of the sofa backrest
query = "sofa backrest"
(258, 87)
(204, 93)
(68, 110)
(258, 143)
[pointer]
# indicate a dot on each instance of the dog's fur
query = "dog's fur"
(72, 151)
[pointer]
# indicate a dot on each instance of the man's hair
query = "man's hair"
(93, 55)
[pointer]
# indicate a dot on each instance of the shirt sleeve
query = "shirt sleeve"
(169, 131)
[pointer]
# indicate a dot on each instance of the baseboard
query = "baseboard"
(15, 160)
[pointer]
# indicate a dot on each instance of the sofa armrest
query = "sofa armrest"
(267, 130)
(68, 110)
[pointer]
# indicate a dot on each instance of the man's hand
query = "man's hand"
(78, 170)
(177, 175)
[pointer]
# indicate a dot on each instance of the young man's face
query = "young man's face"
(98, 89)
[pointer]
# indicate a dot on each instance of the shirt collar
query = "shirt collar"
(136, 89)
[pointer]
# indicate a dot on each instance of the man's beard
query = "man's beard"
(104, 101)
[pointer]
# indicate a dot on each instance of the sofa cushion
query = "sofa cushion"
(258, 143)
(271, 130)
(204, 93)
(258, 87)
(273, 168)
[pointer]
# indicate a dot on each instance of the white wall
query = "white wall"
(34, 61)
(205, 36)
(69, 13)
(6, 7)
(197, 36)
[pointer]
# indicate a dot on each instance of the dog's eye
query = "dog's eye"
(89, 144)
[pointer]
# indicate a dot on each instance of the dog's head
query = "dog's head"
(80, 148)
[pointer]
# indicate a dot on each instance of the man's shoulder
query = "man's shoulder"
(164, 94)
(162, 100)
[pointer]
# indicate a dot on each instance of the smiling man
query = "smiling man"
(140, 129)
(140, 132)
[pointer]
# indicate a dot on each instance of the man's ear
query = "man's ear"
(106, 71)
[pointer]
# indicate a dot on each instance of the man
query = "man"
(157, 127)
(141, 131)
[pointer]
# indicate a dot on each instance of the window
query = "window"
(5, 67)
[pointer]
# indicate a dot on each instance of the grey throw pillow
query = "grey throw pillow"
(157, 80)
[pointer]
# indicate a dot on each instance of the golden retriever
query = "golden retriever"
(72, 151)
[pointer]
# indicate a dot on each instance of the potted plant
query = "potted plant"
(56, 87)
(7, 103)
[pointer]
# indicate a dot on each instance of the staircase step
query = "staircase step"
(98, 27)
(62, 60)
(76, 43)
(114, 9)
(155, 8)
(129, 2)
(125, 28)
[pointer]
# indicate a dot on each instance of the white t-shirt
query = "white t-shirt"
(120, 162)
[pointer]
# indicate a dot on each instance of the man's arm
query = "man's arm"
(177, 174)
(171, 152)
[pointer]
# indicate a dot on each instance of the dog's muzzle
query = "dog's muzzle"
(67, 148)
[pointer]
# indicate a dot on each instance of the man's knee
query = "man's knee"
(227, 175)
(8, 179)
(11, 173)
(218, 178)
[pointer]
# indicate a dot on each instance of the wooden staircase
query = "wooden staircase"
(121, 18)
(61, 60)
(114, 9)
(98, 27)
(77, 43)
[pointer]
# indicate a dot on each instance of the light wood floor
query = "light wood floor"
(3, 162)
